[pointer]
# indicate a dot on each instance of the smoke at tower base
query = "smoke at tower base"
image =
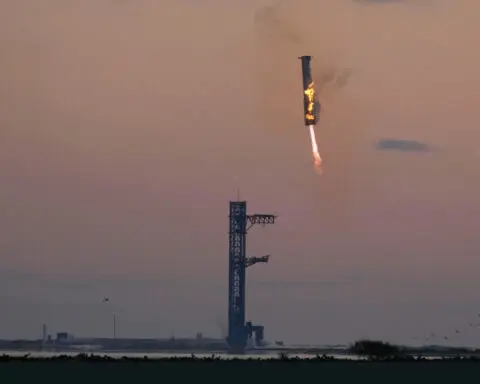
(310, 108)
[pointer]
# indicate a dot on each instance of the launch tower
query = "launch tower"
(240, 222)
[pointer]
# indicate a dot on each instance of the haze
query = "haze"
(127, 126)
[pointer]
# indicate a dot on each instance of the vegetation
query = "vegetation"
(385, 353)
(376, 350)
(103, 369)
(380, 361)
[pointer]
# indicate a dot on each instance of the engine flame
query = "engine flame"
(310, 93)
(317, 160)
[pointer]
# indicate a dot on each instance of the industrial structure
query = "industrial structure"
(310, 104)
(240, 222)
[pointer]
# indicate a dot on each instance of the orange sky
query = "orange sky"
(126, 126)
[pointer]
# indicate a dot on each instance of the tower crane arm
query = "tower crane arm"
(249, 261)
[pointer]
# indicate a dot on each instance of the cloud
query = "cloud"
(378, 1)
(299, 283)
(382, 2)
(402, 145)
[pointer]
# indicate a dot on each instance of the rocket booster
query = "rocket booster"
(310, 104)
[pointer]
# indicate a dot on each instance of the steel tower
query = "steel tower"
(240, 223)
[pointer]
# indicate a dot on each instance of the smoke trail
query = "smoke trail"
(222, 325)
(281, 35)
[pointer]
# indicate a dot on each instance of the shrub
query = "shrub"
(375, 349)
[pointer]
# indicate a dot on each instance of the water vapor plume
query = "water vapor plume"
(222, 326)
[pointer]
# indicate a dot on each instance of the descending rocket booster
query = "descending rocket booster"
(310, 104)
(311, 108)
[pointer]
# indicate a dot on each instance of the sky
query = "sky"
(127, 126)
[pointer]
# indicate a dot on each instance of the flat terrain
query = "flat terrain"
(98, 370)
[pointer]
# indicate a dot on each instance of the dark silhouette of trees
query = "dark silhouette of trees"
(376, 349)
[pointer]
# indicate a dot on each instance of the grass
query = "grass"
(84, 368)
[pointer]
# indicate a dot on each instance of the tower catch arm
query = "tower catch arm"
(260, 219)
(249, 261)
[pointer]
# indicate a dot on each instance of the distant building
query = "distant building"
(63, 337)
